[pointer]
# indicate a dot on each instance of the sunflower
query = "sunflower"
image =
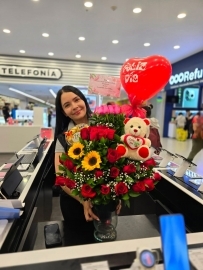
(91, 161)
(76, 150)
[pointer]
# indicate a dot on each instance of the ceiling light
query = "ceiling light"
(7, 31)
(45, 35)
(181, 15)
(103, 58)
(35, 0)
(22, 51)
(81, 38)
(51, 53)
(146, 44)
(52, 92)
(137, 10)
(176, 47)
(88, 4)
(115, 41)
(78, 56)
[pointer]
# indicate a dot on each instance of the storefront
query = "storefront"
(185, 87)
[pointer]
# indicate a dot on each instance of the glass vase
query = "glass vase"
(105, 228)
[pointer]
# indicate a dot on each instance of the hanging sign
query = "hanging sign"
(30, 72)
(104, 85)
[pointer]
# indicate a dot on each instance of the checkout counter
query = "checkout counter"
(22, 246)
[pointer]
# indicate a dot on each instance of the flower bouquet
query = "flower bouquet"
(94, 170)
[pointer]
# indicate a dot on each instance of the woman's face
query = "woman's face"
(74, 107)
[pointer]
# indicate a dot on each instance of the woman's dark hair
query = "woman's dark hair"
(148, 109)
(63, 121)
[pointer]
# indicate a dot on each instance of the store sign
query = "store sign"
(186, 76)
(30, 72)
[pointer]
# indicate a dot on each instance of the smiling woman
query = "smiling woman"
(72, 109)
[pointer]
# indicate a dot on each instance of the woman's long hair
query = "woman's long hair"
(63, 121)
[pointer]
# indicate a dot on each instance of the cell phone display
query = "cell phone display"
(174, 243)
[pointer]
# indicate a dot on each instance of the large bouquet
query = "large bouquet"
(93, 168)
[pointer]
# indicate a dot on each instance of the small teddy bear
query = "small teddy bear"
(136, 145)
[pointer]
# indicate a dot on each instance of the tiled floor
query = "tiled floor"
(172, 145)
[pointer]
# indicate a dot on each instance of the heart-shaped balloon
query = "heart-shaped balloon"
(143, 78)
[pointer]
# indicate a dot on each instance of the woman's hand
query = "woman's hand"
(118, 207)
(89, 215)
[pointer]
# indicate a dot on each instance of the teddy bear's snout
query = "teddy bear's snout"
(135, 130)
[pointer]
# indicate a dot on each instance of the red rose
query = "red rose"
(129, 168)
(157, 176)
(114, 172)
(112, 155)
(149, 162)
(121, 188)
(84, 133)
(60, 181)
(98, 173)
(149, 184)
(70, 183)
(101, 134)
(68, 164)
(105, 190)
(87, 191)
(110, 134)
(139, 187)
(93, 133)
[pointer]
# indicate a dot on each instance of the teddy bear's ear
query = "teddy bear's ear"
(147, 122)
(126, 120)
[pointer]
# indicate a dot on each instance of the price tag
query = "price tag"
(103, 265)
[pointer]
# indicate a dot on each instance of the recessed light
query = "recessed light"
(88, 4)
(176, 47)
(81, 38)
(146, 44)
(51, 53)
(45, 35)
(7, 31)
(78, 56)
(103, 58)
(22, 51)
(115, 41)
(137, 10)
(35, 0)
(181, 15)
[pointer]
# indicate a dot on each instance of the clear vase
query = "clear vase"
(105, 228)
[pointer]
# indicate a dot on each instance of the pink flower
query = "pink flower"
(108, 109)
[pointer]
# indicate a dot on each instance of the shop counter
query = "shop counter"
(179, 195)
(119, 254)
(36, 193)
(13, 137)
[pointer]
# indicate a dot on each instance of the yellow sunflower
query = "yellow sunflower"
(76, 150)
(91, 161)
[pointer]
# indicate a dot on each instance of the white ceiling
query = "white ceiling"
(66, 20)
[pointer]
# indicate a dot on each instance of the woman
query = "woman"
(197, 137)
(154, 135)
(71, 109)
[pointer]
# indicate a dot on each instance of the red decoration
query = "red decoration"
(143, 78)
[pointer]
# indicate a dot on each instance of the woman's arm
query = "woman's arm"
(89, 215)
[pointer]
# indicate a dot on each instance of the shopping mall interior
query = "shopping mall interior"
(91, 45)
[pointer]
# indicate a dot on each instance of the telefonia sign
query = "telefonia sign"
(186, 76)
(30, 72)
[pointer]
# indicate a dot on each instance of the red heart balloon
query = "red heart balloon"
(143, 78)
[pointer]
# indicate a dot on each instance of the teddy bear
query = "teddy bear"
(136, 144)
